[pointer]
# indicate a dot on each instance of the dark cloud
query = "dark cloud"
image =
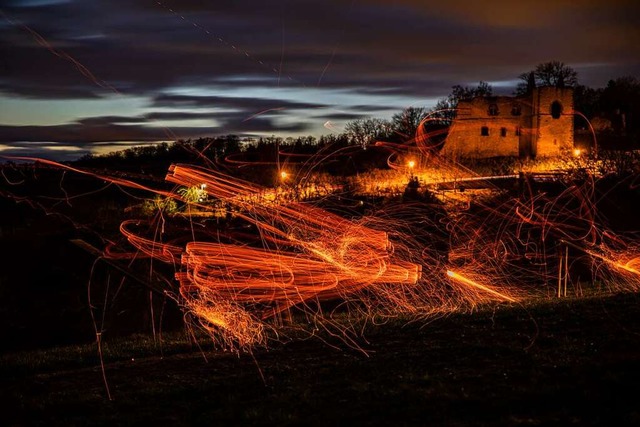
(108, 120)
(246, 104)
(81, 135)
(397, 52)
(340, 116)
(366, 108)
(101, 130)
(178, 115)
(374, 47)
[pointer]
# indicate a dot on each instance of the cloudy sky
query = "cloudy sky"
(81, 76)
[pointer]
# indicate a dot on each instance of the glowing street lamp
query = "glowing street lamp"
(283, 175)
(411, 164)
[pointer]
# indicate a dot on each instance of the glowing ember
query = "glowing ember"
(483, 288)
(403, 259)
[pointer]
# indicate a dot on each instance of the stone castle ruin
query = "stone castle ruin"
(539, 124)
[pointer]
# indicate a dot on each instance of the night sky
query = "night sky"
(80, 76)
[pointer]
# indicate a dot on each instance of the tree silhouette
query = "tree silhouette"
(444, 111)
(406, 122)
(366, 131)
(620, 100)
(552, 73)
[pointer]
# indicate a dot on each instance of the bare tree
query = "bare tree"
(466, 93)
(406, 122)
(366, 131)
(552, 73)
(444, 111)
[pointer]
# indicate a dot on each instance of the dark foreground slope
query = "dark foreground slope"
(569, 362)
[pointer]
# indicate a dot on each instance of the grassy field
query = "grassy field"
(561, 362)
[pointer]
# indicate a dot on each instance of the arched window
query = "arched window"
(516, 110)
(493, 110)
(556, 109)
(484, 131)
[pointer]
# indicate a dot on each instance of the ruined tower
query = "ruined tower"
(539, 124)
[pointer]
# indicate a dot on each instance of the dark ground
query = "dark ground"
(560, 362)
(563, 362)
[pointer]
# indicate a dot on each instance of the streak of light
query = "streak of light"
(263, 112)
(62, 54)
(476, 285)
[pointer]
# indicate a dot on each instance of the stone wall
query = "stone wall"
(513, 126)
(554, 135)
(501, 123)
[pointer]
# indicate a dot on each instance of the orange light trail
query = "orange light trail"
(308, 254)
(297, 255)
(628, 266)
(476, 285)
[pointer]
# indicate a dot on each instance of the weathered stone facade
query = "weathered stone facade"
(538, 124)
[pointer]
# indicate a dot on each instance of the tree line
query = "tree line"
(615, 107)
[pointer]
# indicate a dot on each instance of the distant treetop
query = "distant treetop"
(552, 73)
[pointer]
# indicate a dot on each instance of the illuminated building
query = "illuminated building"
(539, 124)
